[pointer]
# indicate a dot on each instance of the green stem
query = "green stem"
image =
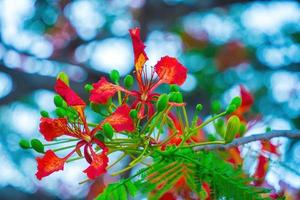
(61, 142)
(203, 143)
(64, 148)
(185, 117)
(116, 161)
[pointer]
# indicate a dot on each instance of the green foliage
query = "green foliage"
(120, 190)
(196, 168)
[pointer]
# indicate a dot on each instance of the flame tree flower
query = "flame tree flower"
(167, 69)
(78, 128)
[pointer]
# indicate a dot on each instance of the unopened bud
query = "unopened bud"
(44, 114)
(230, 109)
(162, 102)
(128, 81)
(88, 87)
(237, 101)
(60, 112)
(24, 144)
(58, 101)
(133, 114)
(114, 76)
(108, 130)
(37, 145)
(233, 127)
(199, 107)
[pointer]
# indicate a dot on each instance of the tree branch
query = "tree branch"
(295, 134)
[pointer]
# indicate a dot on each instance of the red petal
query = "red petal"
(269, 147)
(120, 119)
(103, 90)
(140, 56)
(247, 98)
(170, 70)
(53, 128)
(48, 164)
(68, 94)
(262, 168)
(98, 166)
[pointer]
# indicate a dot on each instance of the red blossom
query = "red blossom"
(120, 120)
(53, 128)
(68, 94)
(269, 147)
(247, 98)
(261, 169)
(97, 166)
(140, 56)
(170, 71)
(103, 90)
(48, 164)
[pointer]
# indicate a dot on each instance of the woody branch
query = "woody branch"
(295, 134)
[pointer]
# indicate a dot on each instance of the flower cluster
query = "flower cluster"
(139, 122)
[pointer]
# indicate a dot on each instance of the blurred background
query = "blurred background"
(223, 43)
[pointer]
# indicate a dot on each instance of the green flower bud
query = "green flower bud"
(114, 76)
(243, 129)
(100, 137)
(268, 129)
(174, 88)
(133, 114)
(216, 107)
(88, 87)
(58, 101)
(162, 102)
(24, 144)
(128, 81)
(108, 130)
(37, 145)
(237, 101)
(230, 109)
(233, 127)
(175, 97)
(199, 107)
(63, 77)
(44, 114)
(60, 112)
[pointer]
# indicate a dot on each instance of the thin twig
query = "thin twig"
(295, 134)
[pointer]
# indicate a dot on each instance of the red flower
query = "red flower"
(68, 94)
(247, 102)
(97, 166)
(52, 128)
(48, 164)
(269, 147)
(168, 69)
(120, 119)
(247, 99)
(261, 169)
(103, 90)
